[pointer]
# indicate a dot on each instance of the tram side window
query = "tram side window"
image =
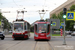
(48, 28)
(25, 26)
(35, 28)
(28, 26)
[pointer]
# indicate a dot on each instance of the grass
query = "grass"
(52, 34)
(56, 35)
(10, 34)
(31, 32)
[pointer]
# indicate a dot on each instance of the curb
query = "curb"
(8, 36)
(61, 37)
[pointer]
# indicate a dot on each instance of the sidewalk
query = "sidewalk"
(8, 36)
(61, 36)
(58, 45)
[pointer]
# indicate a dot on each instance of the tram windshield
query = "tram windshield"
(18, 26)
(42, 28)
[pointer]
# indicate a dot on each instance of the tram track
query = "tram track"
(49, 45)
(35, 45)
(13, 45)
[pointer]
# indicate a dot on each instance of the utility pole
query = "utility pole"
(64, 16)
(51, 29)
(64, 43)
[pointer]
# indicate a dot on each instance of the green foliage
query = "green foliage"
(59, 16)
(1, 16)
(56, 35)
(72, 8)
(54, 16)
(69, 24)
(32, 29)
(6, 23)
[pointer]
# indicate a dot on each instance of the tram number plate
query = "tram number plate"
(42, 34)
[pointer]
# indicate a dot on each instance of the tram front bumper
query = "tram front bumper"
(19, 35)
(42, 37)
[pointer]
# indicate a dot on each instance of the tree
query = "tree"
(72, 8)
(1, 16)
(6, 23)
(54, 16)
(69, 24)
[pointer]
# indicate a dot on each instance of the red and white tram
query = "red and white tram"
(21, 29)
(42, 30)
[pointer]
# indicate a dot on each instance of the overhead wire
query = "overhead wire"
(15, 3)
(44, 4)
(10, 2)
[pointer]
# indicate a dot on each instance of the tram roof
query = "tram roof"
(18, 20)
(42, 22)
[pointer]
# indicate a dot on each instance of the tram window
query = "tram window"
(48, 28)
(28, 26)
(18, 26)
(42, 28)
(35, 28)
(25, 26)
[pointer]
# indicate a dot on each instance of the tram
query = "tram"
(42, 30)
(21, 29)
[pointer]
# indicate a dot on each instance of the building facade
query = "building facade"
(67, 5)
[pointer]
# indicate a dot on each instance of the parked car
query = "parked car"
(2, 36)
(68, 32)
(10, 31)
(72, 34)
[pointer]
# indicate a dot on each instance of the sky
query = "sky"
(31, 6)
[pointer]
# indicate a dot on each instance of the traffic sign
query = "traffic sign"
(70, 16)
(62, 23)
(61, 27)
(53, 23)
(61, 31)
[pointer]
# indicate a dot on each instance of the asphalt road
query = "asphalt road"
(30, 44)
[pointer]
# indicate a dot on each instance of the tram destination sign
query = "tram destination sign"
(56, 22)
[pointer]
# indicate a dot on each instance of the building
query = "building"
(67, 5)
